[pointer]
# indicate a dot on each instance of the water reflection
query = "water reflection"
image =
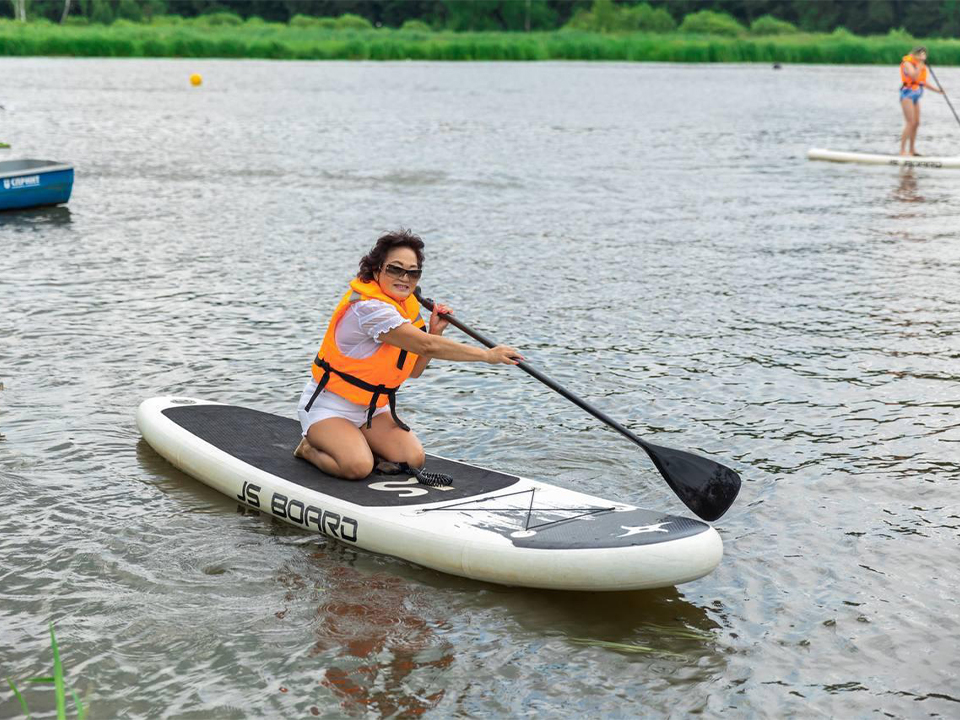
(907, 189)
(36, 218)
(390, 640)
(380, 631)
(621, 613)
(640, 624)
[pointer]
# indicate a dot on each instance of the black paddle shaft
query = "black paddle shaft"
(937, 81)
(706, 487)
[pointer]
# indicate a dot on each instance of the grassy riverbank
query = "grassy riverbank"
(258, 39)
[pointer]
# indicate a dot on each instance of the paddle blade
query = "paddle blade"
(706, 487)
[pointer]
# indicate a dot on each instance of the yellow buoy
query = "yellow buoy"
(195, 79)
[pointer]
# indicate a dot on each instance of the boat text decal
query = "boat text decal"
(404, 488)
(19, 182)
(309, 516)
(917, 163)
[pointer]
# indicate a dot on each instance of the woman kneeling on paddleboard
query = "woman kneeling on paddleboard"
(375, 340)
(913, 79)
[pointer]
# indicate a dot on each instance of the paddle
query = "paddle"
(934, 76)
(706, 487)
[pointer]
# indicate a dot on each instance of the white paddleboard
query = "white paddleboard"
(877, 159)
(488, 525)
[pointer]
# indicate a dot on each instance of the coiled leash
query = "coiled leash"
(424, 477)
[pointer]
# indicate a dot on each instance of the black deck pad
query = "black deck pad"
(593, 524)
(626, 529)
(267, 442)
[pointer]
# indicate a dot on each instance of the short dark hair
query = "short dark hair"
(373, 260)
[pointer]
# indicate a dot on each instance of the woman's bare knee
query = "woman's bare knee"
(417, 457)
(411, 452)
(356, 468)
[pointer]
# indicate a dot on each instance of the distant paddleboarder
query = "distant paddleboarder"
(375, 340)
(913, 79)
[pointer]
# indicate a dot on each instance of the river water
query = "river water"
(652, 236)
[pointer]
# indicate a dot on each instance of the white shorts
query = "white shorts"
(330, 405)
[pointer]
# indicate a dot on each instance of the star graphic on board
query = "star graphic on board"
(636, 530)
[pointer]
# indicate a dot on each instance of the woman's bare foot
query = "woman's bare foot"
(302, 448)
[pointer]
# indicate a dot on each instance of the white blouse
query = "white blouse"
(359, 330)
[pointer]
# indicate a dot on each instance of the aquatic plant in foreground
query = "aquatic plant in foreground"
(60, 687)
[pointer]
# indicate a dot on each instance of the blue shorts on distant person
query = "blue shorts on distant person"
(908, 94)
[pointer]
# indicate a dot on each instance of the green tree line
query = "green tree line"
(920, 18)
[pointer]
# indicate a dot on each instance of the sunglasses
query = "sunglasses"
(395, 271)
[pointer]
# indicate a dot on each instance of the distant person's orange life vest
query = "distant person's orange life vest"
(371, 381)
(908, 82)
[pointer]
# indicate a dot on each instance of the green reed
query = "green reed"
(59, 685)
(259, 39)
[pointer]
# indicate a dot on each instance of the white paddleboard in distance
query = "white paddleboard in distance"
(878, 159)
(488, 525)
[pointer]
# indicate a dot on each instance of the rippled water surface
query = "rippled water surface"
(651, 236)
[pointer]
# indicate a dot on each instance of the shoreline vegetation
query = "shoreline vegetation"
(632, 34)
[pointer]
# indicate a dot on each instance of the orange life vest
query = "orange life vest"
(908, 82)
(371, 381)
